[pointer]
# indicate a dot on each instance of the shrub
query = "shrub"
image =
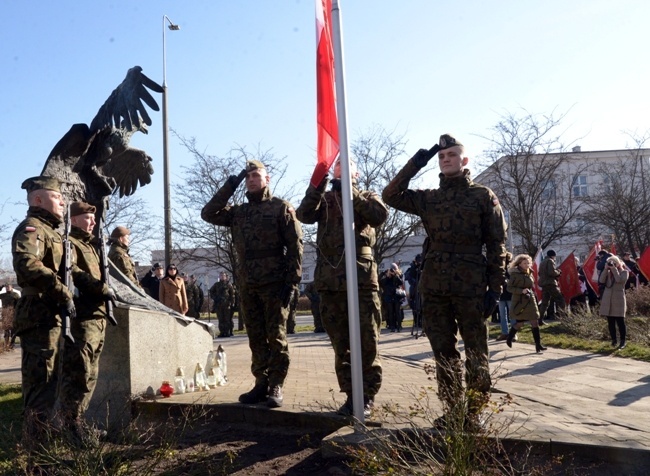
(638, 301)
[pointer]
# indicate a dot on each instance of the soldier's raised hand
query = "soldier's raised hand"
(235, 180)
(423, 156)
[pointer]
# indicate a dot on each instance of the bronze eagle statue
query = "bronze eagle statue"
(93, 162)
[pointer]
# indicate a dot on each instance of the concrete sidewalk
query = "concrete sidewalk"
(563, 400)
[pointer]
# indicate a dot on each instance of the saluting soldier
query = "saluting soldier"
(81, 358)
(37, 251)
(459, 285)
(268, 241)
(119, 253)
(324, 207)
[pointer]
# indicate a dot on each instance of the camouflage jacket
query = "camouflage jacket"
(265, 233)
(119, 255)
(460, 218)
(91, 302)
(222, 292)
(37, 249)
(548, 273)
(325, 209)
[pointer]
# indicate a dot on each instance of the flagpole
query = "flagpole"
(348, 219)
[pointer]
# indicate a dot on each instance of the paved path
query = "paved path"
(561, 398)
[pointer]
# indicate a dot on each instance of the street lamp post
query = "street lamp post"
(167, 201)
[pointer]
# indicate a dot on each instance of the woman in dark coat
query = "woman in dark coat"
(612, 302)
(524, 302)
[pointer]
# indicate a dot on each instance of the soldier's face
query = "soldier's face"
(125, 239)
(85, 221)
(51, 201)
(256, 180)
(451, 161)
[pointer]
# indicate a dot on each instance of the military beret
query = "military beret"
(79, 208)
(446, 141)
(254, 165)
(41, 183)
(120, 231)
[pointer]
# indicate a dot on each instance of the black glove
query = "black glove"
(285, 294)
(336, 185)
(70, 309)
(235, 180)
(423, 156)
(490, 302)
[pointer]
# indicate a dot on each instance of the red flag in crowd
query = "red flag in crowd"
(644, 263)
(613, 250)
(536, 262)
(569, 280)
(589, 267)
(326, 118)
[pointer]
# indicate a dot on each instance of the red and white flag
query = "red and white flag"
(569, 280)
(589, 267)
(326, 118)
(644, 263)
(536, 262)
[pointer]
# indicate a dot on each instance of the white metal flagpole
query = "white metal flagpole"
(348, 218)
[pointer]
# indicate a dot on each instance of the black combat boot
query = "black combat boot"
(257, 394)
(538, 340)
(511, 335)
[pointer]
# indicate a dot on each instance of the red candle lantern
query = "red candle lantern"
(166, 389)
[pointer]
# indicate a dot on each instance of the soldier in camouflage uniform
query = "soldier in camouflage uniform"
(81, 358)
(459, 285)
(192, 293)
(37, 251)
(119, 253)
(293, 308)
(314, 302)
(223, 296)
(268, 241)
(324, 207)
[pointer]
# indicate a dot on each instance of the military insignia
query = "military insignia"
(30, 228)
(443, 142)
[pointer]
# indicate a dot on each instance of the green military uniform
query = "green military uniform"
(81, 358)
(330, 280)
(37, 251)
(223, 297)
(268, 241)
(314, 304)
(293, 308)
(548, 281)
(119, 255)
(460, 218)
(192, 292)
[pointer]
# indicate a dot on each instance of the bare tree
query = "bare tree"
(379, 155)
(621, 203)
(533, 176)
(200, 241)
(135, 214)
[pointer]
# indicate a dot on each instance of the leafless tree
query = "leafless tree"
(533, 176)
(197, 240)
(621, 204)
(379, 155)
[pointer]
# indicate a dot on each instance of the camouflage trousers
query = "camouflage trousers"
(334, 314)
(39, 368)
(551, 294)
(266, 319)
(443, 317)
(81, 366)
(226, 323)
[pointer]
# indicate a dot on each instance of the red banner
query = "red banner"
(644, 263)
(326, 118)
(589, 267)
(569, 280)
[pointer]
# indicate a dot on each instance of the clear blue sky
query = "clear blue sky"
(243, 73)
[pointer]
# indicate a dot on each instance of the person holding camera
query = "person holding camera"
(612, 302)
(391, 282)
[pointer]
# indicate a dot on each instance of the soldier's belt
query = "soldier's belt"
(31, 291)
(268, 253)
(361, 251)
(461, 249)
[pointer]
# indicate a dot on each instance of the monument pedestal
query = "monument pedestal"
(145, 348)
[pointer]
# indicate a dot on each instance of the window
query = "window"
(580, 186)
(548, 189)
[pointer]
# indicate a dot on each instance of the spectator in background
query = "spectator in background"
(172, 291)
(612, 302)
(391, 282)
(9, 298)
(223, 298)
(636, 276)
(412, 276)
(192, 292)
(151, 281)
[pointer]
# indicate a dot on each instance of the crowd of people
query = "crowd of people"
(462, 276)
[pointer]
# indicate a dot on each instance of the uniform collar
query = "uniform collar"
(462, 181)
(261, 196)
(44, 215)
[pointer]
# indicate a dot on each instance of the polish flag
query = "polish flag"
(326, 118)
(536, 263)
(589, 267)
(644, 263)
(569, 280)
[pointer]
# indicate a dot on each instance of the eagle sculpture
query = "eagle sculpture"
(93, 162)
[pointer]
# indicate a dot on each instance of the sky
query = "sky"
(242, 73)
